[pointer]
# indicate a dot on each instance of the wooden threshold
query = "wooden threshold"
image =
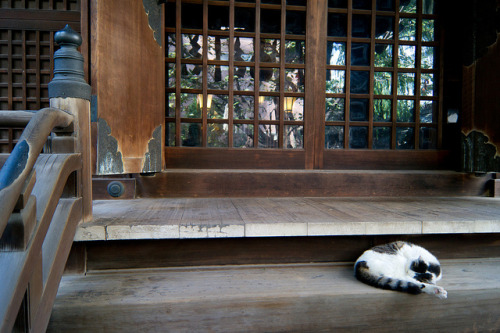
(183, 218)
(273, 298)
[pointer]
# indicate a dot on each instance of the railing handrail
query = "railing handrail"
(24, 155)
(16, 118)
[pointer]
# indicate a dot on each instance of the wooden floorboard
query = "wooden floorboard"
(173, 218)
(273, 298)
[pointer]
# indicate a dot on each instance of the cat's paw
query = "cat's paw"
(440, 292)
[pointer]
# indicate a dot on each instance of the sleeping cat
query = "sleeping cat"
(400, 266)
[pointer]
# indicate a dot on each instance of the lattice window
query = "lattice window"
(382, 89)
(221, 92)
(26, 54)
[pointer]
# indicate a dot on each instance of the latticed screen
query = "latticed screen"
(235, 73)
(382, 75)
(26, 54)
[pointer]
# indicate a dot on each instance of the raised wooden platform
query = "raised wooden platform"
(273, 298)
(184, 218)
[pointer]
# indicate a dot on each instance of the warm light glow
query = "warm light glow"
(262, 99)
(289, 101)
(199, 100)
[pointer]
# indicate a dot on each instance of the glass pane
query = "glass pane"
(295, 22)
(427, 138)
(405, 138)
(190, 107)
(406, 84)
(192, 16)
(296, 2)
(217, 135)
(360, 82)
(244, 19)
(360, 54)
(452, 116)
(428, 112)
(217, 106)
(268, 136)
(406, 111)
(294, 108)
(170, 17)
(171, 45)
(269, 50)
(335, 81)
(191, 76)
(217, 77)
(170, 109)
(295, 51)
(361, 26)
(192, 46)
(337, 3)
(334, 137)
(428, 6)
(385, 5)
(294, 80)
(383, 55)
(334, 109)
(243, 136)
(218, 48)
(243, 49)
(427, 85)
(170, 135)
(408, 6)
(382, 110)
(191, 135)
(273, 2)
(170, 75)
(406, 56)
(294, 137)
(243, 80)
(218, 18)
(381, 138)
(427, 60)
(358, 137)
(243, 107)
(335, 54)
(337, 25)
(384, 27)
(362, 4)
(358, 109)
(407, 29)
(270, 21)
(269, 79)
(269, 108)
(382, 83)
(427, 30)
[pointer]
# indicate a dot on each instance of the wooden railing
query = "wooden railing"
(43, 196)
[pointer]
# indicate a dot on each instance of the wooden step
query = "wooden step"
(210, 183)
(273, 298)
(180, 218)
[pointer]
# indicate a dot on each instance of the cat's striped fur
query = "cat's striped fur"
(400, 266)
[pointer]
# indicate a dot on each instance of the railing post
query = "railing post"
(69, 91)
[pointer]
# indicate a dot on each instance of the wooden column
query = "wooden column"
(69, 91)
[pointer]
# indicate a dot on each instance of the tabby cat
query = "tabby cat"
(400, 266)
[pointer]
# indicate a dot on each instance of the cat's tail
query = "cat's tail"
(362, 273)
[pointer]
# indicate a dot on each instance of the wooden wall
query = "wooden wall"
(127, 62)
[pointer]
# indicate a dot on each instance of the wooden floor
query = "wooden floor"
(274, 298)
(263, 217)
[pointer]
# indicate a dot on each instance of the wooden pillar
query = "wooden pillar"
(68, 91)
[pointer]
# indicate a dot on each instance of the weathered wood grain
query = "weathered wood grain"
(174, 218)
(312, 183)
(272, 298)
(22, 159)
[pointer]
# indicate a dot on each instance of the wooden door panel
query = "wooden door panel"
(128, 82)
